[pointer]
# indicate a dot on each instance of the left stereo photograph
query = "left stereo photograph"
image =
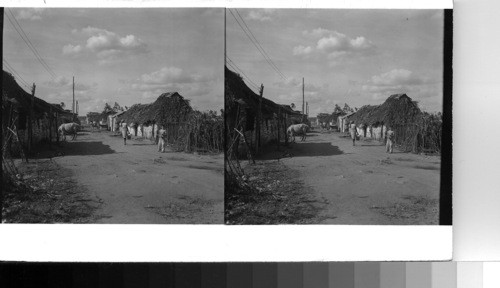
(113, 116)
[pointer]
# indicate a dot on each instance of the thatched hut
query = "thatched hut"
(398, 110)
(31, 118)
(144, 119)
(113, 122)
(242, 107)
(414, 130)
(187, 130)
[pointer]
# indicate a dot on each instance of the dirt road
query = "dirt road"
(137, 184)
(364, 185)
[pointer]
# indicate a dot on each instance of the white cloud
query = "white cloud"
(302, 50)
(72, 49)
(260, 14)
(338, 42)
(61, 81)
(419, 88)
(397, 77)
(30, 14)
(108, 46)
(172, 75)
(334, 44)
(318, 32)
(173, 79)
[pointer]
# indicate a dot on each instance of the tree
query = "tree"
(347, 109)
(337, 109)
(107, 109)
(292, 105)
(63, 105)
(117, 108)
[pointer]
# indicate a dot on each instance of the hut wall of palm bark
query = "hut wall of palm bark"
(242, 116)
(415, 130)
(187, 130)
(27, 120)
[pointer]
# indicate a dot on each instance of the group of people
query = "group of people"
(389, 137)
(162, 133)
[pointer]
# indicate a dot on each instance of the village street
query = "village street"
(137, 184)
(362, 184)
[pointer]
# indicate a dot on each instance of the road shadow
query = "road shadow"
(85, 148)
(303, 150)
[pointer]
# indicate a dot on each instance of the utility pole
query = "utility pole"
(73, 107)
(303, 99)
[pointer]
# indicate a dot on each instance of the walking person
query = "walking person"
(390, 140)
(124, 132)
(354, 132)
(161, 139)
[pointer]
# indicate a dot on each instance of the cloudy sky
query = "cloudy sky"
(119, 55)
(357, 57)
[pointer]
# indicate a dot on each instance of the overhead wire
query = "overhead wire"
(28, 43)
(235, 67)
(39, 57)
(13, 71)
(262, 48)
(250, 85)
(262, 52)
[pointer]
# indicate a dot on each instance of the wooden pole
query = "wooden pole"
(73, 107)
(261, 92)
(303, 97)
(32, 118)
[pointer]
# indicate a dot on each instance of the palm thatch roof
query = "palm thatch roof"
(168, 108)
(13, 93)
(398, 109)
(238, 92)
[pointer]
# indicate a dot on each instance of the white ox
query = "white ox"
(297, 129)
(68, 129)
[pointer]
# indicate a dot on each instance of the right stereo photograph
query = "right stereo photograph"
(338, 116)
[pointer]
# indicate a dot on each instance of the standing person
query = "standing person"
(390, 139)
(161, 140)
(124, 132)
(117, 127)
(354, 132)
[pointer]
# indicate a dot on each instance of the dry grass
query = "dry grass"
(414, 208)
(427, 167)
(43, 192)
(184, 209)
(270, 197)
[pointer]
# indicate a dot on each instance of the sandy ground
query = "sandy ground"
(136, 184)
(362, 184)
